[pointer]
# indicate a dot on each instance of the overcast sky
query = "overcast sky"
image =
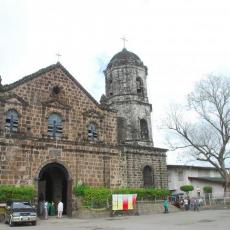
(180, 41)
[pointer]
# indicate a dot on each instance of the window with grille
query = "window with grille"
(12, 121)
(55, 125)
(92, 132)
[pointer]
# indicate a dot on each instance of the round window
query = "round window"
(56, 90)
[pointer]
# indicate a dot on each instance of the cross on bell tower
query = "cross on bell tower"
(124, 40)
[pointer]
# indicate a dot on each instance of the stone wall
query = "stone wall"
(98, 162)
(126, 92)
(144, 207)
(132, 112)
(22, 160)
(34, 99)
(152, 207)
(136, 158)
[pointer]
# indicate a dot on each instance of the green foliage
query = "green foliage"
(95, 197)
(143, 193)
(207, 189)
(187, 188)
(79, 189)
(98, 197)
(12, 192)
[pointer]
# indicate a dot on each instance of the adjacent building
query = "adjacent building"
(198, 176)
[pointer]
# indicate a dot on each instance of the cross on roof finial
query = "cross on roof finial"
(124, 40)
(58, 56)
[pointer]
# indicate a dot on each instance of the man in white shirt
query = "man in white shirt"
(60, 209)
(46, 210)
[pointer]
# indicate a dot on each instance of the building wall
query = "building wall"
(22, 160)
(101, 162)
(179, 176)
(137, 158)
(72, 103)
(132, 120)
(217, 188)
(121, 80)
(24, 152)
(122, 95)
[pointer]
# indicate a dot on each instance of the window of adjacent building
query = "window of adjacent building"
(92, 131)
(55, 125)
(144, 129)
(12, 121)
(140, 87)
(147, 176)
(180, 175)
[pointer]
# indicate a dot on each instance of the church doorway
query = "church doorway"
(54, 185)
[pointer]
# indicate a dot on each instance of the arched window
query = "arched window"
(12, 121)
(140, 87)
(147, 176)
(144, 129)
(55, 125)
(92, 131)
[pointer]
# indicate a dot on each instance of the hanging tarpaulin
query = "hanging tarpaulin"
(123, 201)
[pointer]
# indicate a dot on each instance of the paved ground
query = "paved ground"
(211, 219)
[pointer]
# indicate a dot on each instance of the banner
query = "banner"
(123, 201)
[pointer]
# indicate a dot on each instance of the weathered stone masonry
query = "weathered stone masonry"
(114, 153)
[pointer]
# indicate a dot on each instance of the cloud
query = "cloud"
(179, 41)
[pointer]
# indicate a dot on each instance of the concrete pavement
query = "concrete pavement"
(189, 220)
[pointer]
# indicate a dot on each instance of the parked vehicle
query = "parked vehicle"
(20, 212)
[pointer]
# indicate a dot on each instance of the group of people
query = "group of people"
(52, 208)
(188, 204)
(183, 203)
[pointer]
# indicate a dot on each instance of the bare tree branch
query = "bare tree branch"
(207, 134)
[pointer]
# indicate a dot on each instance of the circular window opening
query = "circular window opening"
(56, 90)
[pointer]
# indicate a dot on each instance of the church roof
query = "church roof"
(125, 57)
(208, 179)
(25, 79)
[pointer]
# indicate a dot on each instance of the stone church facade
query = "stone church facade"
(53, 133)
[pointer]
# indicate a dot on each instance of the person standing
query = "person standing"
(60, 209)
(52, 209)
(186, 204)
(195, 205)
(166, 205)
(46, 210)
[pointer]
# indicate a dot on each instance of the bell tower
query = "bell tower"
(126, 92)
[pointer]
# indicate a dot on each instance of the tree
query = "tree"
(187, 188)
(207, 189)
(205, 132)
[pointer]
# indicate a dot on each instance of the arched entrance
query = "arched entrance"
(54, 184)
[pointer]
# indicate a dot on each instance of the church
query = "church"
(54, 134)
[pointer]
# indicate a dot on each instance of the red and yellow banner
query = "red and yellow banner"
(123, 201)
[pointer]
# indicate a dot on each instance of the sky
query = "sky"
(180, 41)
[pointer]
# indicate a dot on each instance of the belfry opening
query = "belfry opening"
(54, 185)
